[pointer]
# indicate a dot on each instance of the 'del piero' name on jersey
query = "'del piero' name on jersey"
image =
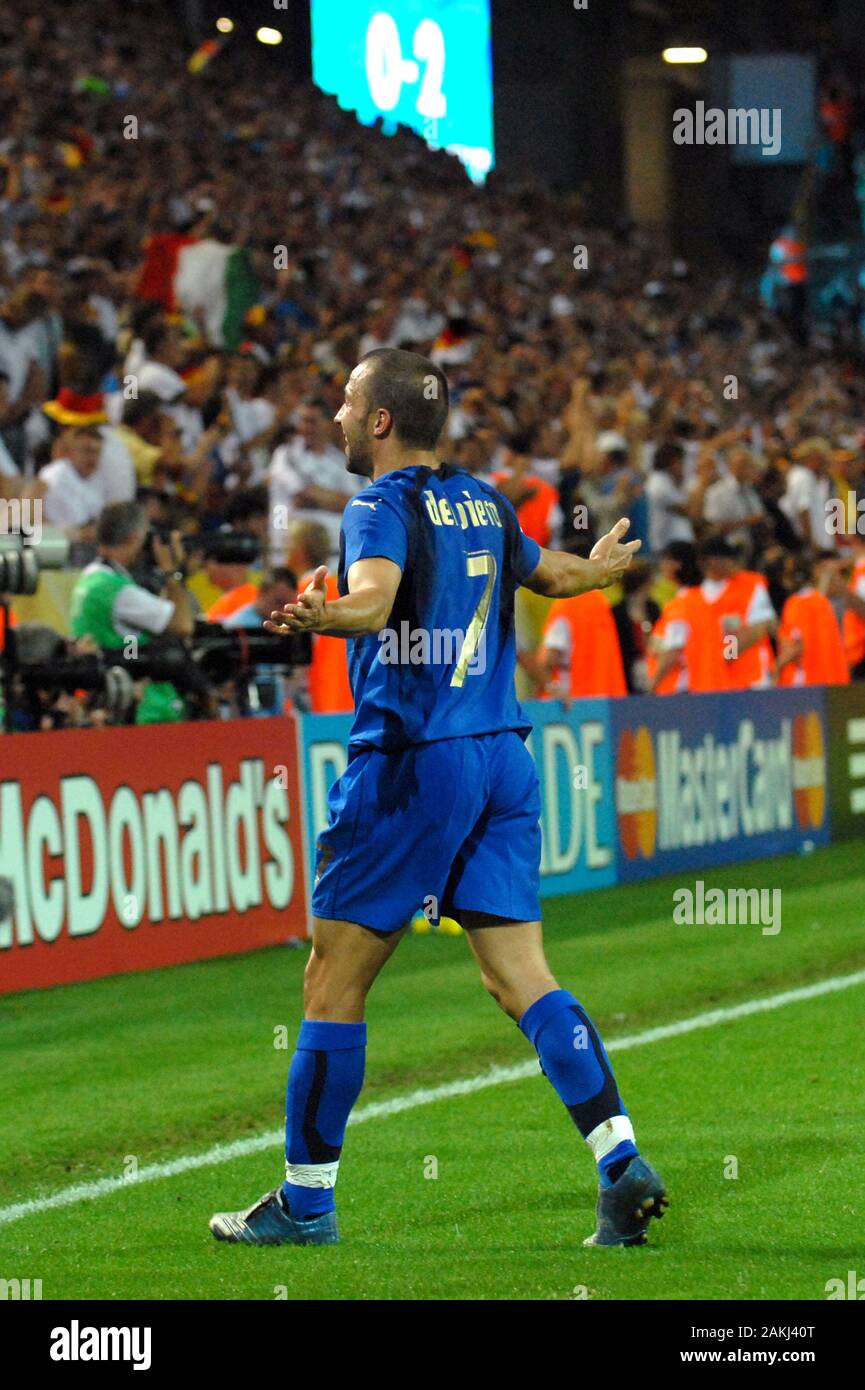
(475, 511)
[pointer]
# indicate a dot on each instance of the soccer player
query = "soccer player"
(440, 796)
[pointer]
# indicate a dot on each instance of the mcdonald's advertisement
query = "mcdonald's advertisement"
(127, 849)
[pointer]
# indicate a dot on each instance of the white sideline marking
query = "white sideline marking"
(381, 1109)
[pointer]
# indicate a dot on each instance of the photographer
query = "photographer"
(118, 614)
(272, 688)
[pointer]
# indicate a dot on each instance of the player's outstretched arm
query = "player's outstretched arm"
(372, 586)
(560, 575)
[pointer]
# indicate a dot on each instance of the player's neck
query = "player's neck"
(406, 458)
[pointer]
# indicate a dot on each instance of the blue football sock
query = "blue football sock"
(324, 1081)
(574, 1061)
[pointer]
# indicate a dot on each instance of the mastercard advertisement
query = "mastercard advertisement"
(713, 779)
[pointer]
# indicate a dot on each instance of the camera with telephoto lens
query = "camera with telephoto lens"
(41, 667)
(242, 668)
(226, 547)
(214, 657)
(21, 562)
(232, 654)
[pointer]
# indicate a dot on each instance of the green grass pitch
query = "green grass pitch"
(145, 1068)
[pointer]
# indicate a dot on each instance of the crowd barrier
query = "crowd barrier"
(127, 849)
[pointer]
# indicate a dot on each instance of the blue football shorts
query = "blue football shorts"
(442, 826)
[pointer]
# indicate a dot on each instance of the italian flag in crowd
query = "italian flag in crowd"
(210, 282)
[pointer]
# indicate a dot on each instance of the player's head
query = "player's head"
(395, 402)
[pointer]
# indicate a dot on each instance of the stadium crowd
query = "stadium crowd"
(593, 375)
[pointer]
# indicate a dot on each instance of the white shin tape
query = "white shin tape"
(312, 1174)
(606, 1136)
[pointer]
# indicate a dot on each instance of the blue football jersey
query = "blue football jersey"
(444, 665)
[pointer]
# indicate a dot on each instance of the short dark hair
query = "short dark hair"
(154, 334)
(636, 575)
(278, 574)
(251, 501)
(719, 548)
(399, 382)
(314, 538)
(119, 521)
(684, 554)
(666, 455)
(139, 408)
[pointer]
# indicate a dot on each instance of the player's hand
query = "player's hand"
(613, 556)
(305, 615)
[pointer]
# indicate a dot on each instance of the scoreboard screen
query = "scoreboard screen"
(426, 64)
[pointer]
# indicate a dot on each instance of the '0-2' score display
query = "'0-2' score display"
(426, 64)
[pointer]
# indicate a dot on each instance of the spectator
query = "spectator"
(271, 689)
(19, 363)
(159, 374)
(73, 492)
(678, 568)
(848, 488)
(235, 600)
(8, 466)
(721, 629)
(747, 616)
(854, 616)
(613, 488)
(221, 587)
(732, 506)
(474, 453)
(469, 415)
(580, 655)
(809, 488)
(810, 646)
(666, 668)
(46, 331)
(308, 478)
(247, 512)
(669, 518)
(140, 435)
(277, 588)
(781, 530)
(635, 615)
(536, 502)
(329, 690)
(253, 419)
(545, 444)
